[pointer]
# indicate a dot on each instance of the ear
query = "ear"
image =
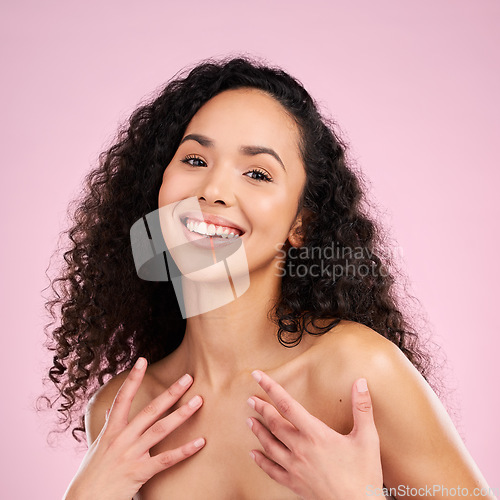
(296, 233)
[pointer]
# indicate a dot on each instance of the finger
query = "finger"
(162, 428)
(274, 448)
(158, 406)
(362, 409)
(274, 421)
(272, 469)
(291, 409)
(118, 414)
(168, 458)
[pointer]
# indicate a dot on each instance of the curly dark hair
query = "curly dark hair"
(109, 317)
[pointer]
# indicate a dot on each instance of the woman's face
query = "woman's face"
(221, 163)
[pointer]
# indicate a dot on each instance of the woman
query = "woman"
(247, 144)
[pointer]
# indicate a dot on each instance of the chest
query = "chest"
(223, 468)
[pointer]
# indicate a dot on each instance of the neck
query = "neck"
(226, 344)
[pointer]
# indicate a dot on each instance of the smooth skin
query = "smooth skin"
(299, 446)
(420, 448)
(419, 445)
(118, 462)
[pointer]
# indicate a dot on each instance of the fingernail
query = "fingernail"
(185, 380)
(199, 442)
(140, 363)
(249, 422)
(194, 402)
(251, 402)
(361, 385)
(256, 375)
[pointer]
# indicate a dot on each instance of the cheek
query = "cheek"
(170, 189)
(274, 215)
(164, 196)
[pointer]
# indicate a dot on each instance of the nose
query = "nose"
(216, 187)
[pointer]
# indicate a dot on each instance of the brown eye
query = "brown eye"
(190, 158)
(260, 175)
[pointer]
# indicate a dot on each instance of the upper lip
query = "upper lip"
(216, 220)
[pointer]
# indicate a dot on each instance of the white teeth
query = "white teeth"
(202, 228)
(210, 229)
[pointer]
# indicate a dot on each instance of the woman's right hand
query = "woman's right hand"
(118, 462)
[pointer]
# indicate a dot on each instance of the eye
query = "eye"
(188, 158)
(260, 175)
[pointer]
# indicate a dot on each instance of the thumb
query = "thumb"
(362, 410)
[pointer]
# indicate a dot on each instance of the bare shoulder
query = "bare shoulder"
(417, 437)
(360, 349)
(365, 353)
(102, 400)
(352, 350)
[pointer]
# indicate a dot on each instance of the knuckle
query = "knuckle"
(172, 392)
(316, 438)
(141, 477)
(283, 406)
(158, 428)
(150, 409)
(299, 453)
(265, 409)
(295, 471)
(320, 435)
(166, 459)
(113, 446)
(265, 385)
(364, 406)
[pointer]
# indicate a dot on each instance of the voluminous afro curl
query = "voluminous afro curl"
(109, 317)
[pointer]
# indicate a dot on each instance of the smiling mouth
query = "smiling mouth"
(209, 229)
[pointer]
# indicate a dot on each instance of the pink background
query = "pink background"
(414, 86)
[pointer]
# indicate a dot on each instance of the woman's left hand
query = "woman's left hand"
(306, 455)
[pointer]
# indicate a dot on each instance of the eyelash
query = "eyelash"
(263, 173)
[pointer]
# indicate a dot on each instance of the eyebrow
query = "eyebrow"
(246, 150)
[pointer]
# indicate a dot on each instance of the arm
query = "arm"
(420, 446)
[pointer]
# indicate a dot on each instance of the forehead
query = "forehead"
(247, 116)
